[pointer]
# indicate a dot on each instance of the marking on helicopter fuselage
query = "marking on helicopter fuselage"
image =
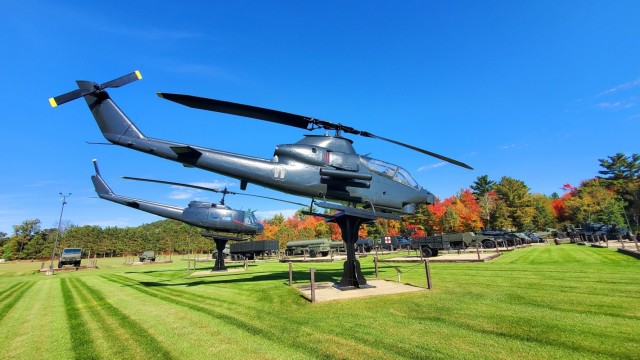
(279, 173)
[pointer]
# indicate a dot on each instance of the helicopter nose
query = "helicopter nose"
(428, 196)
(259, 228)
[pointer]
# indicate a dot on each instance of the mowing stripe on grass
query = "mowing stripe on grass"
(13, 296)
(3, 293)
(82, 344)
(119, 325)
(179, 298)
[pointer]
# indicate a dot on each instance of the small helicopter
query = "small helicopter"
(317, 166)
(205, 215)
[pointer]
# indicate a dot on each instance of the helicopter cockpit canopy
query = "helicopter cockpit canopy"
(250, 218)
(392, 171)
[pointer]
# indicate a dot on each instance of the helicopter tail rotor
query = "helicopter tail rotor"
(75, 94)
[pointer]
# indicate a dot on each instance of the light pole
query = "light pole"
(55, 244)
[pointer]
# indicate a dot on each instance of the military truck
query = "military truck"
(148, 255)
(70, 256)
(365, 245)
(389, 242)
(431, 245)
(251, 249)
(312, 247)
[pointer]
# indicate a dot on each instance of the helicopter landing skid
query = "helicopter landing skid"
(349, 220)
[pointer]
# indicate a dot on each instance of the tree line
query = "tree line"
(611, 197)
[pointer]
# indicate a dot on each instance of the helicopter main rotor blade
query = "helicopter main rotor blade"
(177, 184)
(279, 117)
(284, 118)
(225, 191)
(426, 152)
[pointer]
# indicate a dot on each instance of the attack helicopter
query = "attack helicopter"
(205, 215)
(320, 167)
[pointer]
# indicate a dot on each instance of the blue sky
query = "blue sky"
(538, 91)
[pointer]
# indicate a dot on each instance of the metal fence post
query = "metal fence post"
(290, 273)
(375, 265)
(428, 271)
(313, 284)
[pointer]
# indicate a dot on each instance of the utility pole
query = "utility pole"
(55, 244)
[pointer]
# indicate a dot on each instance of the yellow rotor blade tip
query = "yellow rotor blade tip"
(138, 75)
(53, 103)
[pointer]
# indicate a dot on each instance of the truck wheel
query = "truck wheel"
(434, 252)
(59, 265)
(488, 244)
(324, 253)
(313, 253)
(426, 252)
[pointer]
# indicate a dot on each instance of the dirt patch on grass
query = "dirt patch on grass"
(330, 292)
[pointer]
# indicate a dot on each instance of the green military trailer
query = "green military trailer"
(70, 256)
(252, 249)
(431, 245)
(312, 247)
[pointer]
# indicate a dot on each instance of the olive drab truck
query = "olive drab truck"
(70, 256)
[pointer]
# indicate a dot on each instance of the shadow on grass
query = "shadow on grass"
(324, 275)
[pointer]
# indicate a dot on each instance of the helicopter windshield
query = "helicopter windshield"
(390, 170)
(250, 218)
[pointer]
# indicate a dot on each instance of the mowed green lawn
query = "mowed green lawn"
(541, 302)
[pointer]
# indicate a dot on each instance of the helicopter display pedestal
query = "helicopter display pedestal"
(221, 243)
(349, 220)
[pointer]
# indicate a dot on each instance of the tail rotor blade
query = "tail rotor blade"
(123, 80)
(86, 90)
(70, 96)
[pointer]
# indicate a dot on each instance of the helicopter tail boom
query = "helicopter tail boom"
(104, 192)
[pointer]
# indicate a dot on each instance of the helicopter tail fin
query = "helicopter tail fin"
(114, 124)
(99, 184)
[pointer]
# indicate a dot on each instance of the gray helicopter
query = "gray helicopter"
(205, 215)
(318, 167)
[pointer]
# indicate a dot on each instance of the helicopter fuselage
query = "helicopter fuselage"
(319, 167)
(205, 215)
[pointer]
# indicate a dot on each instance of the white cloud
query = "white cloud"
(617, 105)
(621, 87)
(433, 166)
(268, 214)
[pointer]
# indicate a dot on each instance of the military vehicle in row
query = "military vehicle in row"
(432, 245)
(313, 247)
(252, 249)
(70, 256)
(365, 245)
(148, 255)
(591, 229)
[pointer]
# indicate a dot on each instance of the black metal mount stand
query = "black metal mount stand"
(349, 220)
(221, 243)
